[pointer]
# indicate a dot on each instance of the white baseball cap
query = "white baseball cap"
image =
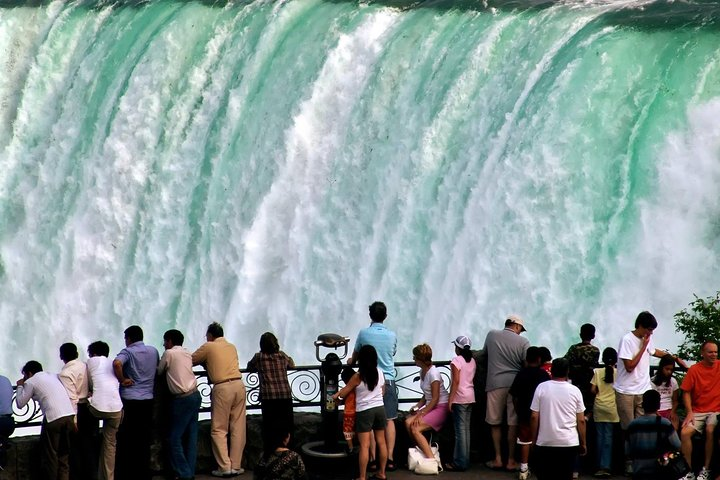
(462, 341)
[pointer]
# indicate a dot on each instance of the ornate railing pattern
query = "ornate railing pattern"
(304, 382)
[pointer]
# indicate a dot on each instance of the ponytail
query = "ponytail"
(609, 358)
(609, 374)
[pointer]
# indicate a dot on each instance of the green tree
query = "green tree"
(699, 322)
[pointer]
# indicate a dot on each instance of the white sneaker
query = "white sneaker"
(223, 473)
(689, 476)
(704, 474)
(524, 474)
(238, 471)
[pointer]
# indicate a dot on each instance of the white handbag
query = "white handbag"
(415, 455)
(428, 466)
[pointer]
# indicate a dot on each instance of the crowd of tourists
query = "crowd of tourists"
(544, 404)
(121, 392)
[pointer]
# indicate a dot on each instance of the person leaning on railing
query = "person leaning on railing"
(227, 400)
(7, 422)
(271, 364)
(46, 389)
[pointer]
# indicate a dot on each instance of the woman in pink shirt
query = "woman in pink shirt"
(460, 402)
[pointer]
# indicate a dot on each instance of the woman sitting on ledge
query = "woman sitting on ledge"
(432, 409)
(279, 462)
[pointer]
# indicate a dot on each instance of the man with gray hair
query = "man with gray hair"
(505, 350)
(227, 400)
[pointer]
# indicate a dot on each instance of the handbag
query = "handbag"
(428, 466)
(671, 464)
(415, 456)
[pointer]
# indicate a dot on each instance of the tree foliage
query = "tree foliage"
(700, 321)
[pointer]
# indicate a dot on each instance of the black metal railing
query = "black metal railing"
(304, 383)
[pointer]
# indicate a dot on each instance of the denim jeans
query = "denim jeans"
(182, 438)
(604, 444)
(461, 415)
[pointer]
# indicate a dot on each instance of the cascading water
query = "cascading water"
(280, 165)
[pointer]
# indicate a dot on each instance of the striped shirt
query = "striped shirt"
(648, 437)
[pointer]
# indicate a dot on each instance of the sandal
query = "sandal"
(451, 467)
(372, 466)
(491, 465)
(390, 466)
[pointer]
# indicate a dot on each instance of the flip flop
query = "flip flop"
(491, 465)
(451, 467)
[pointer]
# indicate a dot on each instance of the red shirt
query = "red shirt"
(703, 384)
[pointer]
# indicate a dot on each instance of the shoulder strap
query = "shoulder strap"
(658, 424)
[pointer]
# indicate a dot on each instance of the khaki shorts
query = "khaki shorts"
(702, 419)
(629, 407)
(498, 402)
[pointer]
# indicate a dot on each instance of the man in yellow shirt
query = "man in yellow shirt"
(227, 400)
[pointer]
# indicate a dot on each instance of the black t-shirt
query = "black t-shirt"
(523, 389)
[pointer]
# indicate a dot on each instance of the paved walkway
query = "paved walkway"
(478, 472)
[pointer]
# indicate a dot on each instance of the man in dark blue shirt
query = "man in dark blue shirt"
(648, 436)
(135, 368)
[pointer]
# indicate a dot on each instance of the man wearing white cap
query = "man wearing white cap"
(505, 350)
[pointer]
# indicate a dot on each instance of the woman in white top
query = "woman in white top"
(105, 403)
(432, 409)
(368, 384)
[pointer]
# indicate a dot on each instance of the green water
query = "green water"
(280, 165)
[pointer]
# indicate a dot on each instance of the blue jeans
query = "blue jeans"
(461, 415)
(182, 438)
(604, 444)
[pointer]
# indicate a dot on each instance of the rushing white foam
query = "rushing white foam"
(280, 165)
(671, 252)
(277, 244)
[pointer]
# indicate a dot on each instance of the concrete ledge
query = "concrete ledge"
(24, 451)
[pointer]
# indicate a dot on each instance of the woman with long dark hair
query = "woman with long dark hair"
(667, 386)
(605, 410)
(368, 384)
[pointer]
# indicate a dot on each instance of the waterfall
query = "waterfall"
(280, 165)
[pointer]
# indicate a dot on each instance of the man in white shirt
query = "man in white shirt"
(557, 424)
(176, 364)
(82, 445)
(633, 369)
(105, 403)
(46, 389)
(73, 375)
